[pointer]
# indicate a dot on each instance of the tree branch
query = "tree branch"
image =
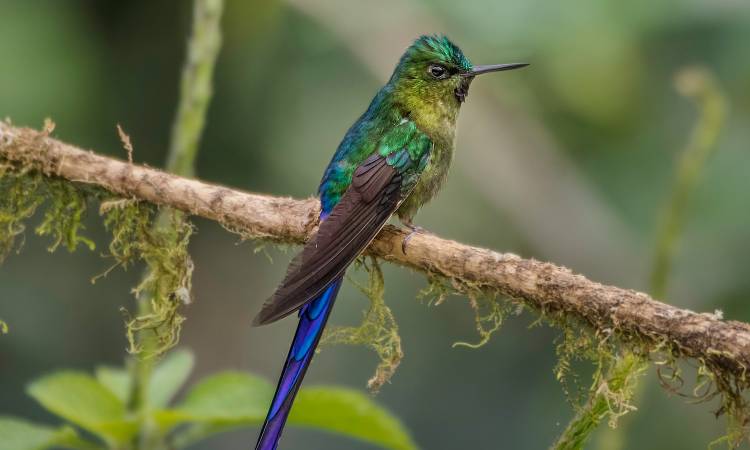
(722, 345)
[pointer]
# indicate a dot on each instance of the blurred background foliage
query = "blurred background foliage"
(569, 161)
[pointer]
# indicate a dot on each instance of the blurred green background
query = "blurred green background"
(569, 161)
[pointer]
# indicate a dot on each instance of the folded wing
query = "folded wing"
(370, 200)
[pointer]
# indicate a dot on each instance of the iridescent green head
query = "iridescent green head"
(435, 69)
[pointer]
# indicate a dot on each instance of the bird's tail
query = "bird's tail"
(312, 320)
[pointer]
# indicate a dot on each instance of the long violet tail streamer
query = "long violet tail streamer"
(312, 319)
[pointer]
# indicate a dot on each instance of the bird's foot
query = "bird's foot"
(414, 229)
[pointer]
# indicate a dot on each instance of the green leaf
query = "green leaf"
(351, 413)
(234, 399)
(80, 399)
(227, 397)
(116, 380)
(17, 434)
(169, 376)
(69, 438)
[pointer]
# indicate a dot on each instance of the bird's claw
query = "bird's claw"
(414, 229)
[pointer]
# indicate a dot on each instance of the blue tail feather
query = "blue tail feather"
(312, 320)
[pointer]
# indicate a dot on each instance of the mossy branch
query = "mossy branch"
(723, 344)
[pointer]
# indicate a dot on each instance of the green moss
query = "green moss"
(378, 329)
(128, 221)
(65, 204)
(489, 314)
(489, 307)
(612, 382)
(23, 192)
(436, 291)
(167, 283)
(620, 358)
(712, 381)
(610, 398)
(617, 357)
(19, 200)
(573, 345)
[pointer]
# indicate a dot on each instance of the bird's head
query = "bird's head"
(433, 70)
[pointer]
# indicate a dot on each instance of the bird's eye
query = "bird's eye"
(437, 71)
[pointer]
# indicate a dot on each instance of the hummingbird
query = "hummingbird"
(392, 160)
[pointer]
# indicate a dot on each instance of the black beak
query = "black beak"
(478, 70)
(462, 91)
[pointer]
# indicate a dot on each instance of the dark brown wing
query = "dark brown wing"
(355, 220)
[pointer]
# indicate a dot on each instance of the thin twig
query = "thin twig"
(195, 95)
(697, 84)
